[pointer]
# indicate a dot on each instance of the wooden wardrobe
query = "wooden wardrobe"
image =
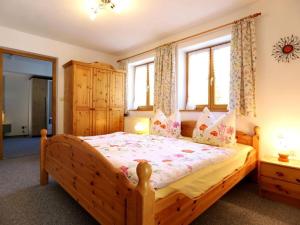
(94, 99)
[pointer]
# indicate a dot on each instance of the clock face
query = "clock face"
(288, 48)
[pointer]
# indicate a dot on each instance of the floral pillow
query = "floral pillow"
(163, 126)
(220, 132)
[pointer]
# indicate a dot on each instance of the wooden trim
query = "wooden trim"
(98, 65)
(32, 55)
(194, 35)
(54, 97)
(1, 105)
(211, 80)
(53, 60)
(43, 173)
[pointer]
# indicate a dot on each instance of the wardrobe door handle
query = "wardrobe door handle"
(92, 109)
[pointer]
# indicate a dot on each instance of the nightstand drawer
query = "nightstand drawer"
(280, 187)
(280, 172)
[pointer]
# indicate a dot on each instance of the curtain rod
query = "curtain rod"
(194, 35)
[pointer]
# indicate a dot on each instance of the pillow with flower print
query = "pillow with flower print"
(174, 125)
(220, 132)
(163, 126)
(205, 120)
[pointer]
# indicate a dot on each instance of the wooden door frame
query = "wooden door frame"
(32, 55)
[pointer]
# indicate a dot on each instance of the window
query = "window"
(144, 86)
(208, 77)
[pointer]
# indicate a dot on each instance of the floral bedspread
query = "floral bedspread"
(170, 158)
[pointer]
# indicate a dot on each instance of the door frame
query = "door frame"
(32, 55)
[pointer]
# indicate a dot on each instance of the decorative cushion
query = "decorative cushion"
(163, 126)
(220, 132)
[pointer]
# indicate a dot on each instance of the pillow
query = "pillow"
(220, 132)
(206, 119)
(163, 126)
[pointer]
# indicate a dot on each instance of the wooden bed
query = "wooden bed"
(106, 193)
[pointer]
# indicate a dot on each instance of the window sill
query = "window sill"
(201, 110)
(140, 110)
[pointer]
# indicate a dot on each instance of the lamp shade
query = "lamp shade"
(141, 128)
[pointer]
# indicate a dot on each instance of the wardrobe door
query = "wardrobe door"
(116, 104)
(100, 101)
(82, 122)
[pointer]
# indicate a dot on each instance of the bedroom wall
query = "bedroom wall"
(10, 38)
(16, 100)
(277, 90)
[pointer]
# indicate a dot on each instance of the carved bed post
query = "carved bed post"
(256, 140)
(145, 195)
(43, 172)
(255, 145)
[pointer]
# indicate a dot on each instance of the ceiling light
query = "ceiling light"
(95, 6)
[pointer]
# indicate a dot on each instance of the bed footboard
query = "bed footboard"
(95, 184)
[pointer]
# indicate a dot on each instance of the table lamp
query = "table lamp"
(140, 128)
(283, 151)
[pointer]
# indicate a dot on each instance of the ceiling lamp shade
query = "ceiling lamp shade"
(95, 6)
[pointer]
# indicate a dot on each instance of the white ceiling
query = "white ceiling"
(143, 22)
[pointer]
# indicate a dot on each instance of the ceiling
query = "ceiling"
(142, 22)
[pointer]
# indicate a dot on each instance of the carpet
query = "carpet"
(20, 146)
(24, 202)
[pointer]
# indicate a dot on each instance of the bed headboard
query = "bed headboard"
(187, 128)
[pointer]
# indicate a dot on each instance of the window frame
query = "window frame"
(146, 107)
(211, 81)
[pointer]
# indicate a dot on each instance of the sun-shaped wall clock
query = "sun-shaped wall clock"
(286, 49)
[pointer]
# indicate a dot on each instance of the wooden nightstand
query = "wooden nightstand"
(280, 181)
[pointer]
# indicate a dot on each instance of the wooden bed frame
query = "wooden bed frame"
(107, 194)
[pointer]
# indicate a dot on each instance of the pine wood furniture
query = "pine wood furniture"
(110, 198)
(94, 99)
(280, 180)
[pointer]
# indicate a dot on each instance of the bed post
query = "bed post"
(255, 145)
(43, 172)
(144, 196)
(256, 141)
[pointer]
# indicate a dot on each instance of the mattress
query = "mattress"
(198, 183)
(175, 162)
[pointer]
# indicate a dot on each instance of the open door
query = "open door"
(50, 98)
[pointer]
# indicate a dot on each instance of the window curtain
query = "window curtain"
(165, 79)
(242, 74)
(123, 65)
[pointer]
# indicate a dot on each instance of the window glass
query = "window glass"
(151, 83)
(140, 86)
(198, 75)
(221, 56)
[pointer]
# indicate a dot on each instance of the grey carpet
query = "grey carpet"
(24, 202)
(20, 146)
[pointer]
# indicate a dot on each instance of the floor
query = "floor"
(20, 146)
(24, 202)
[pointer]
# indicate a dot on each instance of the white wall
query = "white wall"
(19, 64)
(16, 101)
(64, 52)
(277, 84)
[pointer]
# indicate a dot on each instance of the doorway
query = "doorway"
(27, 102)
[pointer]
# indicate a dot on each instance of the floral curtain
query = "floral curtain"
(242, 78)
(123, 65)
(165, 79)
